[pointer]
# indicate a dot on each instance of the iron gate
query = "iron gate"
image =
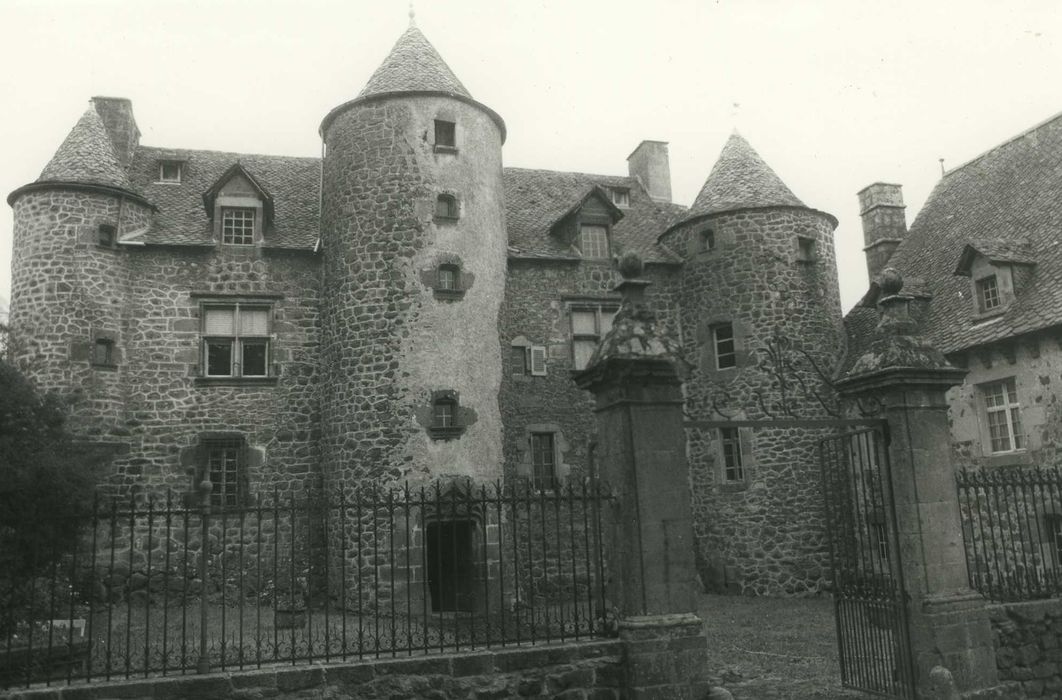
(869, 598)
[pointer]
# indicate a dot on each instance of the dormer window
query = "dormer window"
(445, 135)
(237, 226)
(621, 197)
(170, 171)
(593, 241)
(988, 297)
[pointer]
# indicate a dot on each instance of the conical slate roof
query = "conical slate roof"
(741, 179)
(413, 66)
(87, 156)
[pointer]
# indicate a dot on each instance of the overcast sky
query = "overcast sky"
(834, 94)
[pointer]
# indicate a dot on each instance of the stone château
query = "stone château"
(405, 308)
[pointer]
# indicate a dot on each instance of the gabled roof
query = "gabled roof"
(535, 200)
(87, 156)
(741, 179)
(596, 192)
(1016, 251)
(210, 196)
(1011, 194)
(292, 183)
(413, 66)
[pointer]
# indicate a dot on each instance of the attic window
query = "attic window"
(593, 241)
(621, 196)
(988, 293)
(170, 171)
(445, 135)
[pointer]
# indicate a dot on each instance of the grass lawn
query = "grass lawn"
(763, 648)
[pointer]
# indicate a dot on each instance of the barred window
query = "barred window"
(1004, 416)
(725, 348)
(237, 226)
(730, 442)
(225, 469)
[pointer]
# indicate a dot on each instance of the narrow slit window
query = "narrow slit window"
(543, 461)
(725, 347)
(733, 464)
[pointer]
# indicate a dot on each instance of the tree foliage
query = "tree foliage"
(43, 479)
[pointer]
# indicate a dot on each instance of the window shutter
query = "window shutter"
(748, 457)
(219, 322)
(606, 320)
(538, 360)
(254, 322)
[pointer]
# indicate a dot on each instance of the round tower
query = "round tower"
(761, 317)
(414, 253)
(67, 283)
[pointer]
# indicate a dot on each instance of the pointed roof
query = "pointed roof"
(741, 179)
(413, 66)
(87, 156)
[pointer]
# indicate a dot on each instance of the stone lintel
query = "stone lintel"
(956, 601)
(659, 621)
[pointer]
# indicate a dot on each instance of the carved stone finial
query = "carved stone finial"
(412, 15)
(891, 281)
(631, 265)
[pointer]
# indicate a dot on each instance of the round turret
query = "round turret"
(762, 308)
(67, 272)
(414, 254)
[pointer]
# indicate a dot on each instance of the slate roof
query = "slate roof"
(413, 66)
(536, 199)
(1008, 200)
(294, 184)
(740, 179)
(87, 156)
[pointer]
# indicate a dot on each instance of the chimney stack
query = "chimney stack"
(650, 164)
(117, 115)
(884, 224)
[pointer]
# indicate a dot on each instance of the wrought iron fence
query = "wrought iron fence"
(1012, 528)
(366, 573)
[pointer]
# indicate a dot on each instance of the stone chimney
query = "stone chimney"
(650, 164)
(884, 224)
(117, 115)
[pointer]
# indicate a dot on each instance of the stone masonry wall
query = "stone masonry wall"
(763, 533)
(586, 671)
(538, 297)
(1028, 641)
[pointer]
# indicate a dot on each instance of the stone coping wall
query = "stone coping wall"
(584, 671)
(1028, 640)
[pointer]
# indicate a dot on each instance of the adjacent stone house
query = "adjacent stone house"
(406, 309)
(982, 265)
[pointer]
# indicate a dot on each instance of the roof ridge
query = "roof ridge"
(993, 149)
(566, 172)
(228, 153)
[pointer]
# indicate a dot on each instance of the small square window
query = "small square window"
(725, 347)
(730, 448)
(806, 249)
(988, 293)
(445, 134)
(621, 197)
(170, 171)
(707, 240)
(106, 235)
(446, 207)
(446, 421)
(237, 226)
(447, 278)
(103, 352)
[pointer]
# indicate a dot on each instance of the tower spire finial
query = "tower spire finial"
(412, 15)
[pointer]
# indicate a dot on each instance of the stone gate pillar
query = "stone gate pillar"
(908, 378)
(635, 378)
